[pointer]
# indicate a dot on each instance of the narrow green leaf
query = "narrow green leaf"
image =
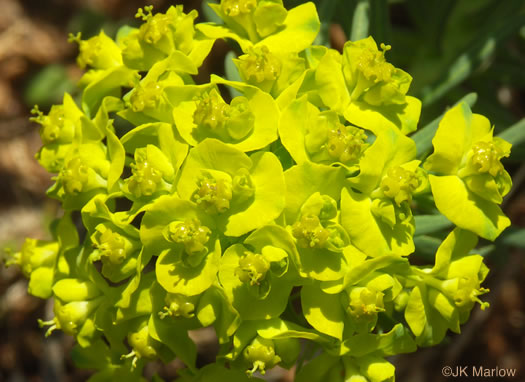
(515, 134)
(434, 24)
(379, 21)
(423, 137)
(360, 21)
(481, 49)
(48, 86)
(486, 250)
(209, 14)
(326, 11)
(517, 155)
(514, 237)
(426, 245)
(426, 224)
(232, 73)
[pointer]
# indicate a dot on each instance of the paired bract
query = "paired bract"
(278, 208)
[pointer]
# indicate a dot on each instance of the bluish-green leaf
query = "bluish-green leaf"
(481, 50)
(514, 237)
(360, 21)
(426, 224)
(514, 134)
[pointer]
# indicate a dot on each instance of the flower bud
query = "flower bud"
(243, 187)
(111, 245)
(401, 301)
(190, 233)
(486, 158)
(74, 176)
(259, 65)
(309, 232)
(399, 184)
(55, 128)
(178, 305)
(468, 292)
(239, 119)
(213, 195)
(373, 64)
(211, 111)
(155, 27)
(364, 304)
(227, 122)
(323, 206)
(167, 31)
(72, 316)
(151, 167)
(261, 354)
(328, 140)
(142, 345)
(338, 238)
(146, 97)
(369, 77)
(346, 143)
(252, 268)
(233, 8)
(98, 52)
(33, 255)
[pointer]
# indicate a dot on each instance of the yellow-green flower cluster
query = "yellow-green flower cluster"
(274, 208)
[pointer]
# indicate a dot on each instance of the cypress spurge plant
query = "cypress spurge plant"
(278, 208)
